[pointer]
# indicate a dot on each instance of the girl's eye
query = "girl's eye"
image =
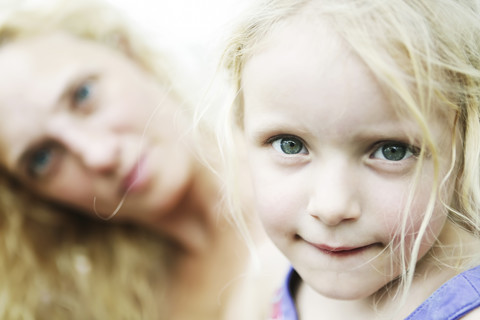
(41, 161)
(289, 145)
(394, 152)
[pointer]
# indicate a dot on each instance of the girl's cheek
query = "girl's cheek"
(275, 206)
(403, 234)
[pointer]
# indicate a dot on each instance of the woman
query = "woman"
(96, 127)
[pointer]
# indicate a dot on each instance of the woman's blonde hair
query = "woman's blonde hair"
(57, 263)
(426, 56)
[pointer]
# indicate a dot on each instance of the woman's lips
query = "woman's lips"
(136, 178)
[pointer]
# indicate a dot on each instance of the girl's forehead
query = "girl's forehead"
(309, 47)
(284, 37)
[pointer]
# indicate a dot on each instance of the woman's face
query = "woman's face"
(83, 124)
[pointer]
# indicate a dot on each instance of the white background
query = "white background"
(180, 21)
(183, 21)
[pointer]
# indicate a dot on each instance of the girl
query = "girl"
(361, 125)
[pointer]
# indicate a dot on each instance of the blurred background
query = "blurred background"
(185, 22)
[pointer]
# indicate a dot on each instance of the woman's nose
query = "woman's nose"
(334, 194)
(98, 151)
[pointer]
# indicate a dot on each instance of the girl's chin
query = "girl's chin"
(347, 291)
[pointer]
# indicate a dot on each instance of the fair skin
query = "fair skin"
(332, 165)
(73, 138)
(87, 126)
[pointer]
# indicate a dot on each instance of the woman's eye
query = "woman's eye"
(41, 161)
(394, 152)
(82, 93)
(289, 145)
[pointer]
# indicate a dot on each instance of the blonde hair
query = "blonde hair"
(426, 56)
(95, 20)
(57, 263)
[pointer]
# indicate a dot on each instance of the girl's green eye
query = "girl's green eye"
(289, 145)
(393, 152)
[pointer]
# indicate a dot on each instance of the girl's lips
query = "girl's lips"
(340, 251)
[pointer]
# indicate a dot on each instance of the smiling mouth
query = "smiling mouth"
(341, 251)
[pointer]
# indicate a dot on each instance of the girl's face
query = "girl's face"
(332, 163)
(83, 124)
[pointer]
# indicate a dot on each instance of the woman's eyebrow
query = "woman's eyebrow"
(25, 154)
(68, 86)
(72, 82)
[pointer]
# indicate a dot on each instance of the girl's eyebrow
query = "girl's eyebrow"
(386, 132)
(261, 131)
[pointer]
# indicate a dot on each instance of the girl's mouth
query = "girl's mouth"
(340, 251)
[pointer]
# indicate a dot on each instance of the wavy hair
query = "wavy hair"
(60, 264)
(426, 56)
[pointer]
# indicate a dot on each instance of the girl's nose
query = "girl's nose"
(98, 151)
(334, 196)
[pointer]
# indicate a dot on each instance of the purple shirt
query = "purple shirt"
(453, 300)
(283, 303)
